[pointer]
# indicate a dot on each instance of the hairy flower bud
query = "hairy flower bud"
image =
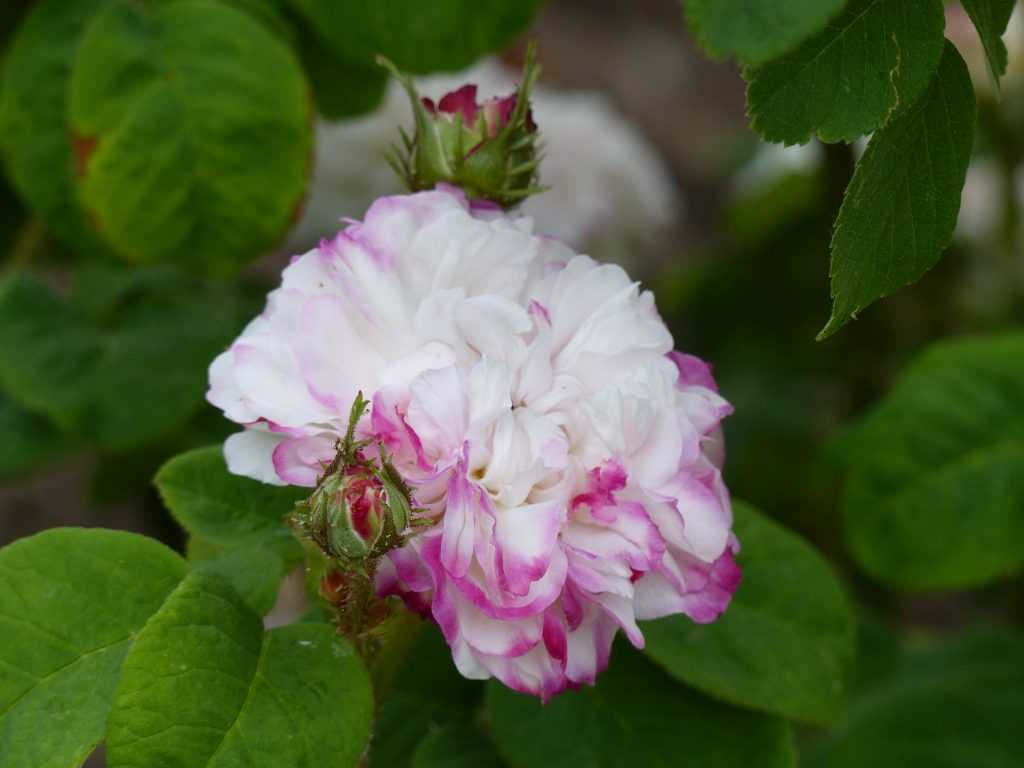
(352, 505)
(361, 507)
(489, 150)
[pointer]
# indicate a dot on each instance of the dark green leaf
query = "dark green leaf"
(44, 348)
(197, 119)
(71, 601)
(874, 59)
(456, 745)
(934, 497)
(117, 376)
(427, 694)
(990, 18)
(35, 141)
(271, 13)
(636, 716)
(419, 37)
(901, 206)
(952, 704)
(11, 14)
(204, 685)
(340, 88)
(785, 643)
(29, 440)
(14, 226)
(756, 30)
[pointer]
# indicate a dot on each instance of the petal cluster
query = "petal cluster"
(566, 460)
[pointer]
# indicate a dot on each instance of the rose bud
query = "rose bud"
(348, 512)
(489, 150)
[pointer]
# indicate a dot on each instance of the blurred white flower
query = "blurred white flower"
(608, 187)
(980, 201)
(960, 30)
(771, 162)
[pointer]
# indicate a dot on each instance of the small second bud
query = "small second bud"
(488, 150)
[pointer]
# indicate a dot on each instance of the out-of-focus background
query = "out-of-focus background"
(647, 150)
(652, 165)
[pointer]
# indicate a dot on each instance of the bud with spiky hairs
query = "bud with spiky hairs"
(361, 507)
(491, 150)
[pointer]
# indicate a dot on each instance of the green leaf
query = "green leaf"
(933, 496)
(419, 37)
(636, 716)
(254, 571)
(99, 370)
(29, 440)
(71, 601)
(272, 14)
(990, 18)
(756, 30)
(197, 119)
(44, 348)
(35, 142)
(900, 209)
(238, 521)
(877, 57)
(428, 693)
(785, 643)
(456, 745)
(11, 14)
(204, 685)
(15, 229)
(223, 508)
(340, 88)
(951, 704)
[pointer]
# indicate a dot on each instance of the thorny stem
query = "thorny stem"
(358, 609)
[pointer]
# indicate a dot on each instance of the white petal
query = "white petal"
(251, 454)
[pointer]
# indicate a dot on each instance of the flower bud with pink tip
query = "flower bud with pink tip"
(488, 150)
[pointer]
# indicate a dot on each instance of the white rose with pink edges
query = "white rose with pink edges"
(566, 462)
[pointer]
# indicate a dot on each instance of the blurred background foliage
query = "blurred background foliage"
(163, 160)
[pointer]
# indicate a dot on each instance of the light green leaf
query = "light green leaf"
(100, 375)
(900, 209)
(37, 147)
(756, 30)
(876, 58)
(198, 121)
(636, 716)
(990, 18)
(29, 440)
(71, 602)
(934, 497)
(254, 571)
(223, 508)
(456, 745)
(949, 704)
(419, 37)
(204, 685)
(238, 521)
(785, 643)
